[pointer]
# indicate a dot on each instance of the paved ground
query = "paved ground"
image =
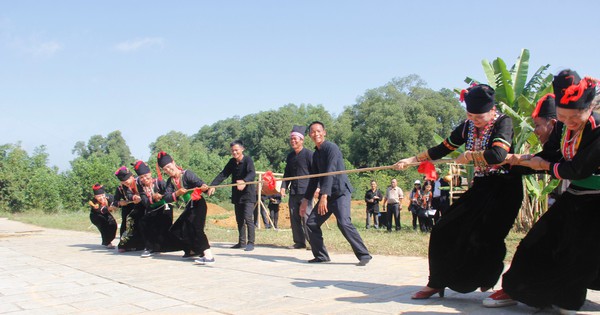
(45, 271)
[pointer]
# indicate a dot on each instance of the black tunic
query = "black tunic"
(297, 165)
(328, 158)
(466, 248)
(373, 207)
(189, 227)
(157, 219)
(559, 259)
(104, 221)
(244, 171)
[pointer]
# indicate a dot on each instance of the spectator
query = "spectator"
(415, 204)
(372, 198)
(426, 221)
(393, 201)
(274, 202)
(444, 201)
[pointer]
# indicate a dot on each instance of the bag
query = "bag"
(413, 208)
(431, 213)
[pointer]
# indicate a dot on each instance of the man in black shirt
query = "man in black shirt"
(334, 198)
(298, 163)
(241, 169)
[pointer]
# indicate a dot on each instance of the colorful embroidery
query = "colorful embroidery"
(479, 142)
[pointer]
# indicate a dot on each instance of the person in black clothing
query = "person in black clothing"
(158, 216)
(189, 227)
(372, 198)
(443, 201)
(100, 208)
(274, 201)
(426, 200)
(415, 204)
(132, 211)
(466, 246)
(559, 258)
(263, 213)
(241, 169)
(298, 163)
(334, 198)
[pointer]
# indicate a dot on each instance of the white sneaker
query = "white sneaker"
(498, 299)
(147, 254)
(205, 261)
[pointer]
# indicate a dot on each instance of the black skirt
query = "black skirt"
(559, 259)
(131, 236)
(106, 224)
(189, 227)
(466, 248)
(155, 227)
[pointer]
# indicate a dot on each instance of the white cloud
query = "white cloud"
(35, 47)
(45, 49)
(139, 43)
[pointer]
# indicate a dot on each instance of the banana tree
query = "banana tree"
(516, 97)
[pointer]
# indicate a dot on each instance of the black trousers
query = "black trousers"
(340, 207)
(393, 209)
(299, 231)
(244, 217)
(274, 213)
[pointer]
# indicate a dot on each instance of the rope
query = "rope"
(357, 170)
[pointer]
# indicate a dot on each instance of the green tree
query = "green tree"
(27, 182)
(399, 119)
(14, 169)
(217, 137)
(115, 144)
(85, 173)
(42, 191)
(98, 146)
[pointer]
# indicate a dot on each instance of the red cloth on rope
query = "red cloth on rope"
(269, 179)
(197, 194)
(428, 169)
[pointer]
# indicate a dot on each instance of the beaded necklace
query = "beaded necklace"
(149, 191)
(570, 142)
(478, 141)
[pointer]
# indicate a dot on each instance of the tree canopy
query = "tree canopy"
(385, 124)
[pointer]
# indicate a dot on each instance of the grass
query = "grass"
(405, 242)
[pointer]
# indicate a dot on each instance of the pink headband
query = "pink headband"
(297, 134)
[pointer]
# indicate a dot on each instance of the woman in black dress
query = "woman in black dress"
(189, 227)
(466, 248)
(100, 208)
(559, 259)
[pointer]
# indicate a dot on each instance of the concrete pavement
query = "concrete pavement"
(46, 271)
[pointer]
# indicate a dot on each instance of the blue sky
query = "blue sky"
(73, 69)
